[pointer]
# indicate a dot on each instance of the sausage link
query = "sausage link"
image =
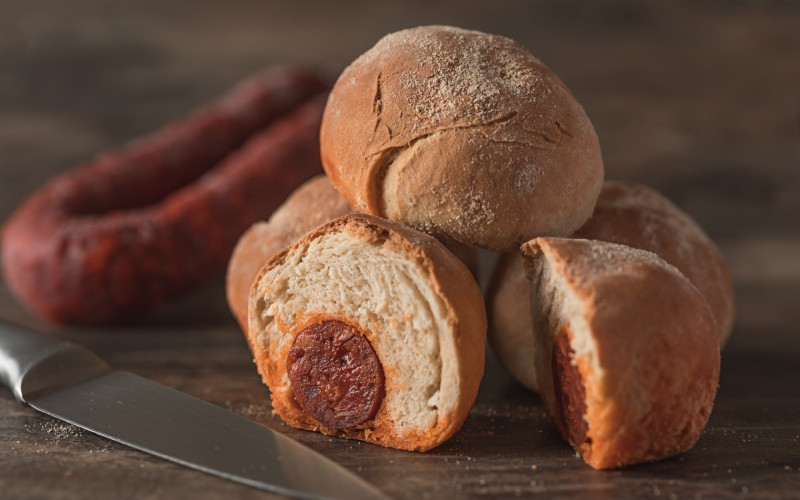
(150, 168)
(336, 376)
(137, 227)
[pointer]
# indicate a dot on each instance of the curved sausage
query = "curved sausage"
(335, 374)
(137, 227)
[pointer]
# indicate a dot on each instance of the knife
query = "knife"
(73, 384)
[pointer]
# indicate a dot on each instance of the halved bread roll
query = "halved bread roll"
(312, 204)
(627, 351)
(369, 330)
(626, 213)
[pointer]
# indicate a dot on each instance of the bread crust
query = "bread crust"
(462, 346)
(461, 134)
(645, 345)
(313, 204)
(510, 324)
(308, 207)
(626, 213)
(638, 216)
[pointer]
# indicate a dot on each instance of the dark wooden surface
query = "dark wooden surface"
(700, 100)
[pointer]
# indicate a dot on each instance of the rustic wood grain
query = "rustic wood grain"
(698, 99)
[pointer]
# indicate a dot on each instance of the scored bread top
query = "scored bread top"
(461, 134)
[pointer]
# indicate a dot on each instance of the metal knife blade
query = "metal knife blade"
(71, 383)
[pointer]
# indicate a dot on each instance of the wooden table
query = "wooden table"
(700, 101)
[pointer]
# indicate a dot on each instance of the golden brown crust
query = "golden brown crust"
(463, 135)
(638, 216)
(649, 354)
(311, 205)
(461, 359)
(510, 325)
(629, 214)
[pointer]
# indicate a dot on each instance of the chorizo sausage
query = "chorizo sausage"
(136, 227)
(335, 374)
(570, 393)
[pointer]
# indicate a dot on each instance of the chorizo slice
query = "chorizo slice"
(335, 374)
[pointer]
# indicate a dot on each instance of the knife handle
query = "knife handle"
(31, 363)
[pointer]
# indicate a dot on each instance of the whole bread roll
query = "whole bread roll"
(312, 204)
(626, 213)
(638, 216)
(461, 134)
(627, 351)
(369, 330)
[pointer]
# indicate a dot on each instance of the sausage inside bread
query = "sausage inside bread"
(369, 330)
(626, 213)
(627, 351)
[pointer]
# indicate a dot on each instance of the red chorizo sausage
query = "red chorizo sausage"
(570, 393)
(336, 376)
(137, 227)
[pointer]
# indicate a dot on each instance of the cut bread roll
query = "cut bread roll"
(311, 205)
(461, 134)
(629, 214)
(308, 207)
(627, 351)
(369, 330)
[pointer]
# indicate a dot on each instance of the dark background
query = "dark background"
(700, 100)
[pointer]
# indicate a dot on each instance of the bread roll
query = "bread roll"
(510, 324)
(638, 216)
(461, 134)
(626, 213)
(369, 330)
(627, 351)
(308, 207)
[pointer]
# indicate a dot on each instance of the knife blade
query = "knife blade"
(69, 382)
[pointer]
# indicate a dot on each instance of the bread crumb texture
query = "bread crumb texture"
(381, 283)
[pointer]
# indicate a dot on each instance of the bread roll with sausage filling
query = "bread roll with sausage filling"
(626, 213)
(627, 351)
(369, 330)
